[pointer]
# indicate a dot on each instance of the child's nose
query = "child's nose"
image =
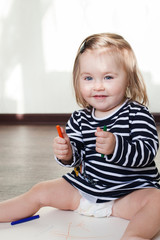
(98, 86)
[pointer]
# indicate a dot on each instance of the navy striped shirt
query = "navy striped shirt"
(129, 168)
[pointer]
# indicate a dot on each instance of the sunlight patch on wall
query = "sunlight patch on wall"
(14, 88)
(5, 6)
(54, 44)
(58, 26)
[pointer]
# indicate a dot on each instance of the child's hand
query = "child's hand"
(105, 142)
(62, 148)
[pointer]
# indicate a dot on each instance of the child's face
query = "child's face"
(103, 81)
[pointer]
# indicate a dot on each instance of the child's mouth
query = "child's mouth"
(100, 96)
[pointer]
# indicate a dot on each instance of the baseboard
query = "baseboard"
(44, 119)
(31, 119)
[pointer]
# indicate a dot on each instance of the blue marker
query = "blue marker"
(25, 219)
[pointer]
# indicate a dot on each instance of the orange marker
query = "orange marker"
(59, 131)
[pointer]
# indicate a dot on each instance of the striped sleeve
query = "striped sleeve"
(141, 147)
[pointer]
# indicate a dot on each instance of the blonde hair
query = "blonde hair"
(136, 90)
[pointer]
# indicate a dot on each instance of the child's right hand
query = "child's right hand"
(62, 148)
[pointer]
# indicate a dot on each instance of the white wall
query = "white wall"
(39, 40)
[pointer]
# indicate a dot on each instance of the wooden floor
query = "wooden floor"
(26, 158)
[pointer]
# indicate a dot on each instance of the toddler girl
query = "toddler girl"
(114, 170)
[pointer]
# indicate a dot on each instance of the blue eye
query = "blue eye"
(108, 77)
(88, 78)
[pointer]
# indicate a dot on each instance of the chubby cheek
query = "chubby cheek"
(118, 90)
(85, 90)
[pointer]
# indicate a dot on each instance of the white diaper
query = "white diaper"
(94, 209)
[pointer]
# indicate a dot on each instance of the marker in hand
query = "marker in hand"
(67, 157)
(59, 131)
(104, 129)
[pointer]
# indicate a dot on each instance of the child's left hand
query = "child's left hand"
(105, 142)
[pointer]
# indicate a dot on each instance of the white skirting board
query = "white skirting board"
(54, 224)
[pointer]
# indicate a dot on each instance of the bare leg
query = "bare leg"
(55, 193)
(142, 208)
